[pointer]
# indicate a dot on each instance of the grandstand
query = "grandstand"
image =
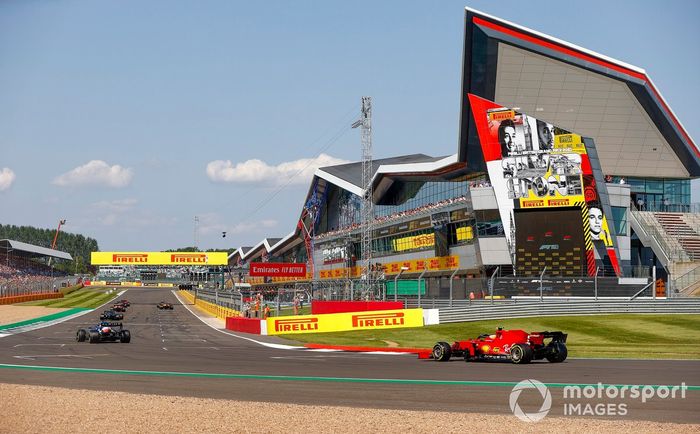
(24, 268)
(592, 193)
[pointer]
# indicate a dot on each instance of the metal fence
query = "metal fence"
(13, 288)
(522, 308)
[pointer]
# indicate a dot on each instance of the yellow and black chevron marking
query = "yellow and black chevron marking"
(590, 257)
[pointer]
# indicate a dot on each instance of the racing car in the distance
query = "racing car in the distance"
(518, 346)
(163, 305)
(119, 307)
(111, 315)
(104, 332)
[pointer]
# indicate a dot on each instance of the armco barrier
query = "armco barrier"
(320, 307)
(30, 297)
(245, 325)
(216, 310)
(505, 309)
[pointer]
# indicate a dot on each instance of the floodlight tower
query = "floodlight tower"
(366, 205)
(196, 232)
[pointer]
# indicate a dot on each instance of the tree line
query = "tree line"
(79, 246)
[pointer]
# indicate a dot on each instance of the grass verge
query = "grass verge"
(643, 336)
(84, 298)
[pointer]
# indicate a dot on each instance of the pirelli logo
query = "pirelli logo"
(133, 258)
(296, 325)
(196, 258)
(377, 320)
(501, 115)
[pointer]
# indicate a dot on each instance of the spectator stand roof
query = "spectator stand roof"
(27, 250)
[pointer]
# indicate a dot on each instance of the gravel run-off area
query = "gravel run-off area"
(11, 314)
(37, 409)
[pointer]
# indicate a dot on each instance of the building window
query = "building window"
(619, 216)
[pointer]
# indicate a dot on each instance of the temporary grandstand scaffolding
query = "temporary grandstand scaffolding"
(366, 206)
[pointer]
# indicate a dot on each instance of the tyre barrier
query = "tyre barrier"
(30, 297)
(214, 309)
(522, 309)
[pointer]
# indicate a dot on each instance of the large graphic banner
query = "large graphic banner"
(159, 258)
(533, 164)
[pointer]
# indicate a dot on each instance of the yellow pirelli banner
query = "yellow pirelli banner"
(414, 242)
(339, 322)
(159, 258)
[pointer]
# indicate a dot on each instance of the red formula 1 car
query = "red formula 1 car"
(518, 346)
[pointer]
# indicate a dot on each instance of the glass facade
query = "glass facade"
(658, 194)
(342, 208)
(430, 193)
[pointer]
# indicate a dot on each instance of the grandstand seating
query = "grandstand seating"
(675, 225)
(19, 274)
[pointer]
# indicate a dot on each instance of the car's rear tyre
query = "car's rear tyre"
(442, 352)
(125, 337)
(520, 354)
(81, 335)
(94, 337)
(558, 352)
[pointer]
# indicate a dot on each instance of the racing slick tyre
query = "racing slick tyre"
(94, 337)
(442, 352)
(125, 337)
(81, 336)
(520, 354)
(558, 352)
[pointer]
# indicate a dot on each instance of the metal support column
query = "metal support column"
(542, 277)
(452, 276)
(595, 282)
(420, 277)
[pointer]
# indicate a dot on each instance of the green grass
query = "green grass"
(69, 289)
(611, 336)
(85, 298)
(289, 311)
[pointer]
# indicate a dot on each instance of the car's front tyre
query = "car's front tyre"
(442, 352)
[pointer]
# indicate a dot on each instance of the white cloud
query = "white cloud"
(259, 172)
(96, 172)
(121, 214)
(7, 177)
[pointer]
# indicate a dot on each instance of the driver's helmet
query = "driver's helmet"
(105, 329)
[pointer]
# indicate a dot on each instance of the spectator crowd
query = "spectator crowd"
(424, 209)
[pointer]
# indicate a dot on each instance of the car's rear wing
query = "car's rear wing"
(111, 324)
(555, 336)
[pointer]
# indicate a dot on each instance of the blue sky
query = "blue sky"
(128, 118)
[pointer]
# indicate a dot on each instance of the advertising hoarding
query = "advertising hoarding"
(336, 322)
(159, 258)
(277, 269)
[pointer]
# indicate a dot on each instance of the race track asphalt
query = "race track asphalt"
(175, 341)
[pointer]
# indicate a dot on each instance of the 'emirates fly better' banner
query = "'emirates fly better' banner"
(277, 269)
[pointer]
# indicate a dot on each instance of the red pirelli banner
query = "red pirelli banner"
(277, 269)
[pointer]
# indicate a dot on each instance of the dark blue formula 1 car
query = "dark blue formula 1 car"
(104, 332)
(111, 315)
